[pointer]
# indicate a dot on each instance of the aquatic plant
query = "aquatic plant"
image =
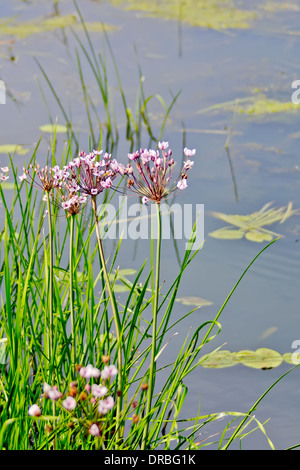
(253, 226)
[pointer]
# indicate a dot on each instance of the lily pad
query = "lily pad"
(227, 233)
(51, 128)
(127, 272)
(194, 301)
(219, 359)
(257, 236)
(288, 357)
(8, 186)
(121, 288)
(13, 148)
(262, 358)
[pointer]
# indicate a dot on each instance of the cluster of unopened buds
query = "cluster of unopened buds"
(96, 396)
(91, 173)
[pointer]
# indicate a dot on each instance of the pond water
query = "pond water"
(210, 67)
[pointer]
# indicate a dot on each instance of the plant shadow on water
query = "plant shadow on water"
(60, 310)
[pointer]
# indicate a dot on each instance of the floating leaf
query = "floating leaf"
(121, 288)
(252, 226)
(227, 233)
(8, 186)
(194, 301)
(262, 358)
(218, 360)
(257, 236)
(288, 357)
(63, 275)
(51, 128)
(127, 272)
(12, 148)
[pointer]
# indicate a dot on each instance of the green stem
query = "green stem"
(115, 316)
(50, 301)
(50, 286)
(154, 327)
(73, 346)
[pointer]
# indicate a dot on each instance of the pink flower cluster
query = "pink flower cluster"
(3, 177)
(96, 396)
(155, 171)
(70, 186)
(89, 174)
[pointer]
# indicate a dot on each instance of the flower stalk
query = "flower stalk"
(152, 369)
(73, 336)
(115, 315)
(50, 285)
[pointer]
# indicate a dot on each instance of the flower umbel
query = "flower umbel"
(2, 176)
(90, 175)
(155, 169)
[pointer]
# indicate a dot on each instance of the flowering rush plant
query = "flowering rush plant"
(84, 176)
(87, 401)
(155, 171)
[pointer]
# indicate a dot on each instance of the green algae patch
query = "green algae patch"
(262, 106)
(23, 29)
(256, 106)
(274, 7)
(215, 14)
